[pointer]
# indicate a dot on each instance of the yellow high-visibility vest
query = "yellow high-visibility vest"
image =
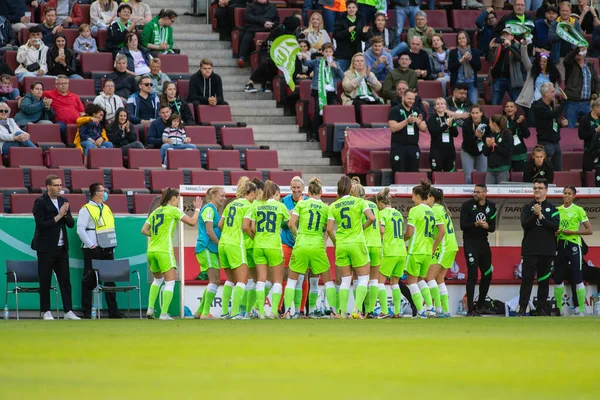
(105, 225)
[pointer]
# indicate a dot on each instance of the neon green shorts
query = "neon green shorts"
(231, 256)
(392, 266)
(303, 256)
(445, 259)
(161, 262)
(417, 264)
(250, 258)
(375, 255)
(270, 257)
(353, 255)
(207, 259)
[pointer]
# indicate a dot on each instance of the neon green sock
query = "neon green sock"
(167, 297)
(331, 297)
(201, 306)
(361, 294)
(209, 296)
(559, 292)
(372, 298)
(153, 295)
(397, 298)
(383, 301)
(444, 300)
(343, 300)
(227, 290)
(260, 301)
(337, 299)
(418, 299)
(435, 294)
(238, 294)
(276, 299)
(244, 300)
(581, 299)
(426, 293)
(312, 300)
(251, 300)
(297, 299)
(288, 298)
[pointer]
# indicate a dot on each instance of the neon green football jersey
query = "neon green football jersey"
(347, 212)
(393, 236)
(163, 222)
(233, 216)
(268, 216)
(372, 233)
(442, 217)
(312, 220)
(422, 219)
(570, 219)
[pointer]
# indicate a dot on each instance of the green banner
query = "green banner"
(283, 54)
(16, 233)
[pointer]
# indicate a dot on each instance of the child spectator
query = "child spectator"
(85, 43)
(7, 92)
(174, 137)
(91, 132)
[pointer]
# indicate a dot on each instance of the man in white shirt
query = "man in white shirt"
(109, 102)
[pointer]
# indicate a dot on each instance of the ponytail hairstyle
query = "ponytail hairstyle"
(212, 192)
(572, 188)
(167, 194)
(438, 196)
(241, 187)
(499, 120)
(344, 186)
(384, 197)
(357, 189)
(314, 186)
(422, 190)
(249, 187)
(260, 186)
(269, 191)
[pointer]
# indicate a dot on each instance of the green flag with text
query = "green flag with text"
(283, 54)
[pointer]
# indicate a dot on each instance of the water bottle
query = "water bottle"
(596, 306)
(461, 308)
(6, 315)
(94, 314)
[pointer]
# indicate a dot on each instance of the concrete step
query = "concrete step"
(258, 111)
(177, 36)
(283, 138)
(315, 170)
(244, 103)
(271, 129)
(300, 159)
(194, 62)
(290, 145)
(240, 95)
(189, 46)
(268, 120)
(295, 156)
(237, 85)
(326, 179)
(195, 27)
(210, 53)
(179, 9)
(168, 3)
(184, 20)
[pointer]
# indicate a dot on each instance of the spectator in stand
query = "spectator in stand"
(581, 83)
(305, 56)
(538, 166)
(85, 43)
(332, 13)
(419, 106)
(157, 127)
(405, 9)
(442, 129)
(422, 30)
(349, 32)
(158, 33)
(140, 12)
(326, 74)
(109, 101)
(406, 124)
(541, 41)
(498, 150)
(485, 29)
(378, 60)
(316, 35)
(402, 73)
(67, 106)
(560, 47)
(34, 108)
(391, 41)
(50, 27)
(463, 63)
(517, 125)
(439, 62)
(143, 106)
(91, 132)
(495, 4)
(7, 36)
(360, 85)
(68, 13)
(5, 68)
(548, 124)
(122, 134)
(474, 130)
(539, 14)
(7, 92)
(62, 60)
(10, 134)
(102, 14)
(120, 28)
(588, 16)
(541, 71)
(124, 80)
(589, 125)
(32, 56)
(14, 12)
(138, 58)
(158, 77)
(419, 59)
(507, 67)
(533, 5)
(224, 16)
(260, 16)
(518, 15)
(206, 87)
(178, 106)
(458, 105)
(174, 137)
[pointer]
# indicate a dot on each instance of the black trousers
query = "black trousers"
(442, 159)
(86, 294)
(568, 261)
(246, 42)
(479, 257)
(266, 72)
(404, 158)
(224, 17)
(587, 162)
(318, 118)
(357, 102)
(597, 176)
(517, 166)
(542, 265)
(57, 261)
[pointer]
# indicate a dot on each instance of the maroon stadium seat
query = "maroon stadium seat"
(203, 135)
(160, 179)
(81, 179)
(516, 176)
(71, 133)
(209, 178)
(128, 180)
(118, 203)
(489, 110)
(45, 135)
(101, 39)
(25, 157)
(76, 201)
(478, 177)
(430, 89)
(409, 178)
(83, 87)
(223, 159)
(234, 176)
(449, 39)
(85, 12)
(183, 159)
(49, 82)
(448, 178)
(142, 202)
(380, 170)
(590, 179)
(183, 87)
(175, 64)
(12, 181)
(215, 115)
(283, 178)
(261, 159)
(144, 159)
(237, 138)
(22, 203)
(59, 158)
(566, 178)
(336, 118)
(465, 19)
(38, 176)
(571, 160)
(14, 107)
(305, 106)
(10, 57)
(105, 158)
(374, 115)
(100, 63)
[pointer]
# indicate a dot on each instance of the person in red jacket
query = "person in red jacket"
(67, 11)
(66, 105)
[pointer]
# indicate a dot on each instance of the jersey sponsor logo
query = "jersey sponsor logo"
(575, 250)
(480, 217)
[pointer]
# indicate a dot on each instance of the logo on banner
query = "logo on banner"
(283, 54)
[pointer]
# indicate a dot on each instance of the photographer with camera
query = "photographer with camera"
(507, 69)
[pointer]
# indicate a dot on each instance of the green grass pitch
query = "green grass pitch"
(483, 358)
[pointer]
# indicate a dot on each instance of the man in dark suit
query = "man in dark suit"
(52, 217)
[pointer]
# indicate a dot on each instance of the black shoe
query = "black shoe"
(473, 313)
(521, 313)
(482, 310)
(370, 315)
(268, 88)
(117, 315)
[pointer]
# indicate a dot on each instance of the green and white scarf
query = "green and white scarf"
(161, 35)
(569, 34)
(325, 80)
(363, 87)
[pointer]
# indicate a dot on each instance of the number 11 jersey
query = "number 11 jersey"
(312, 216)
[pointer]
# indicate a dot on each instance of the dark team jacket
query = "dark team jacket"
(587, 129)
(437, 126)
(531, 172)
(471, 212)
(521, 130)
(499, 157)
(539, 238)
(470, 142)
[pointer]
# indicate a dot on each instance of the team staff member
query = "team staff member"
(442, 129)
(405, 123)
(96, 229)
(540, 220)
(52, 218)
(477, 219)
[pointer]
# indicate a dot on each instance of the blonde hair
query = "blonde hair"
(314, 186)
(320, 19)
(357, 189)
(269, 191)
(384, 197)
(297, 179)
(212, 192)
(351, 68)
(241, 187)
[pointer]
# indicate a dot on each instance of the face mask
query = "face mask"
(105, 197)
(583, 53)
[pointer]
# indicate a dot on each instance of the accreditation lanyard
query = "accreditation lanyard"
(410, 129)
(100, 221)
(446, 134)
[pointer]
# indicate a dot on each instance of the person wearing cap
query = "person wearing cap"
(560, 47)
(507, 69)
(581, 82)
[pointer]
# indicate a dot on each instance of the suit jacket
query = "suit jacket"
(47, 232)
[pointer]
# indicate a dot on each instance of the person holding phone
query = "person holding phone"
(32, 56)
(405, 123)
(62, 60)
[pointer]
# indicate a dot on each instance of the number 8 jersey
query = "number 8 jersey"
(233, 216)
(268, 217)
(421, 218)
(347, 212)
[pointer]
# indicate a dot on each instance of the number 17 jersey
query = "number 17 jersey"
(421, 218)
(312, 216)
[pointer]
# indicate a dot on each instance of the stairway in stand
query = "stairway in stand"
(258, 110)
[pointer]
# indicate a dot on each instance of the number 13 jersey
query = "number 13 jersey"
(421, 218)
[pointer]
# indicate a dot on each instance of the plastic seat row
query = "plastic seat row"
(22, 203)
